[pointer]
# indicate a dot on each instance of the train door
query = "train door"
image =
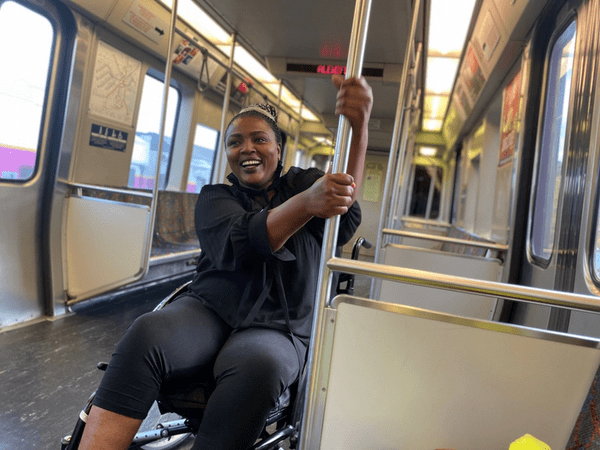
(425, 194)
(553, 250)
(111, 203)
(35, 48)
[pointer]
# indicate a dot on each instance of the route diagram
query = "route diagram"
(115, 84)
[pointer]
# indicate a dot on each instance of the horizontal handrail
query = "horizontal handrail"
(428, 222)
(445, 239)
(110, 189)
(467, 285)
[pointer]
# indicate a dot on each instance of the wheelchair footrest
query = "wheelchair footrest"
(164, 430)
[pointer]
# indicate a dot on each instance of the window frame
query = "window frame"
(534, 258)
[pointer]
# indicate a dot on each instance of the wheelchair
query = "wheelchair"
(176, 415)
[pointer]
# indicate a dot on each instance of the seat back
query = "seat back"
(401, 377)
(446, 263)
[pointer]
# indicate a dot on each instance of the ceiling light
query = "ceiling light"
(323, 140)
(428, 151)
(448, 24)
(435, 106)
(189, 11)
(432, 124)
(202, 22)
(440, 75)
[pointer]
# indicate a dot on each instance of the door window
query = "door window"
(203, 157)
(426, 192)
(553, 143)
(145, 147)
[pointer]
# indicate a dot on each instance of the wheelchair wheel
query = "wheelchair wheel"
(152, 421)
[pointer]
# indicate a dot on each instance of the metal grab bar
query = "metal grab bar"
(397, 152)
(467, 285)
(428, 222)
(445, 239)
(312, 418)
(233, 70)
(109, 189)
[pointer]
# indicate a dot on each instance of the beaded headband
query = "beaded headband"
(262, 108)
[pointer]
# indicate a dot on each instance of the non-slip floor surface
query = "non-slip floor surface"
(48, 369)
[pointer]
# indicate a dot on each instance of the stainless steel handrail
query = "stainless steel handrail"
(467, 285)
(445, 239)
(161, 138)
(427, 222)
(411, 219)
(220, 167)
(236, 72)
(108, 189)
(312, 419)
(386, 205)
(224, 65)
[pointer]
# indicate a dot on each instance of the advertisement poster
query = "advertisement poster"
(142, 17)
(510, 120)
(473, 75)
(372, 184)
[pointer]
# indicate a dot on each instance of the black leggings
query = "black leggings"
(184, 340)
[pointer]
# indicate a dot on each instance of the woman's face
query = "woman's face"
(252, 151)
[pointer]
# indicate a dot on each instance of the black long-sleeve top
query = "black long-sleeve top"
(237, 266)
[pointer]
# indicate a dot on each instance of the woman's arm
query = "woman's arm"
(331, 194)
(354, 101)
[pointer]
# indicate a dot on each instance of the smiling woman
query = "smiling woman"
(248, 311)
(253, 146)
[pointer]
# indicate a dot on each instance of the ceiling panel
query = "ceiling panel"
(320, 30)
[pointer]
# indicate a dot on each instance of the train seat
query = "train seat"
(422, 379)
(447, 263)
(459, 233)
(174, 228)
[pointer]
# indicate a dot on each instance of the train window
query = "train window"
(203, 156)
(22, 87)
(426, 192)
(552, 147)
(145, 148)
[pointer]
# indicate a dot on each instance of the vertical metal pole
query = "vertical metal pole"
(313, 412)
(385, 207)
(284, 151)
(399, 174)
(163, 119)
(221, 159)
(430, 194)
(394, 182)
(279, 94)
(289, 157)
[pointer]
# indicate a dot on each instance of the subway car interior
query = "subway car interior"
(466, 312)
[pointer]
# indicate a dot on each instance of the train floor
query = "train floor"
(48, 369)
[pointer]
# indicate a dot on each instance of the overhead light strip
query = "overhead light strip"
(211, 30)
(448, 24)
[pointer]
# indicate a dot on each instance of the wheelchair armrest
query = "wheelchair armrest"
(169, 298)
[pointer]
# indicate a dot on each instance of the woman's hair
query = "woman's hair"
(263, 111)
